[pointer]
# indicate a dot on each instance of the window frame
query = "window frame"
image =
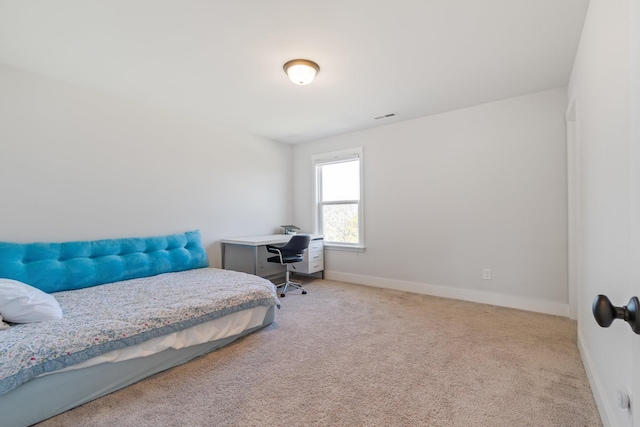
(333, 158)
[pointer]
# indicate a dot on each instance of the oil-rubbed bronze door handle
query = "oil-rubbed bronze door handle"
(605, 312)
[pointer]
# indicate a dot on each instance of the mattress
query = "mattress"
(100, 319)
(227, 326)
(52, 394)
(115, 334)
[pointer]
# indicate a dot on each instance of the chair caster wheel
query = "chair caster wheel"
(304, 292)
(282, 295)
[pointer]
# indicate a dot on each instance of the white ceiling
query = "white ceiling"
(220, 61)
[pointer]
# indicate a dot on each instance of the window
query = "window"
(339, 208)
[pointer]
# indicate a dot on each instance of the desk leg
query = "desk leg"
(222, 247)
(255, 260)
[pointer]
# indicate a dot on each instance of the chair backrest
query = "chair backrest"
(297, 245)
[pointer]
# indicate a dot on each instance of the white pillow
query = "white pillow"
(21, 303)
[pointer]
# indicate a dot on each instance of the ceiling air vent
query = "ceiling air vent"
(386, 116)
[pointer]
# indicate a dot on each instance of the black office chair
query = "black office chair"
(290, 252)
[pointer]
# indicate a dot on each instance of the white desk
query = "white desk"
(249, 255)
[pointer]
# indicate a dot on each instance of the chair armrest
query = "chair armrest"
(275, 250)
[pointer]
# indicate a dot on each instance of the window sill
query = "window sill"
(338, 247)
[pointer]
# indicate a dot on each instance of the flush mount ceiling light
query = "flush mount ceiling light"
(301, 71)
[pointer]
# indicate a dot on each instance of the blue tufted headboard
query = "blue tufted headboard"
(54, 267)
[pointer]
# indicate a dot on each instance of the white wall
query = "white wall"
(599, 86)
(450, 194)
(75, 164)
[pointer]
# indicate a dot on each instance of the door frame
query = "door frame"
(574, 212)
(634, 194)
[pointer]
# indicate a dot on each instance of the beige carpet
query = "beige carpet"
(349, 355)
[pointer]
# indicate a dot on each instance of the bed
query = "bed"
(129, 308)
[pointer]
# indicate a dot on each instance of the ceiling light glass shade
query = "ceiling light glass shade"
(301, 71)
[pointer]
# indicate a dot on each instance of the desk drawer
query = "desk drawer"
(313, 257)
(311, 263)
(314, 267)
(315, 246)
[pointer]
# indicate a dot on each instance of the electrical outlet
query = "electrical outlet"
(486, 273)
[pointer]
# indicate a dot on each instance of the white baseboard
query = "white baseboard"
(606, 412)
(546, 307)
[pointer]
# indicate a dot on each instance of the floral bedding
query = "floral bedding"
(102, 318)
